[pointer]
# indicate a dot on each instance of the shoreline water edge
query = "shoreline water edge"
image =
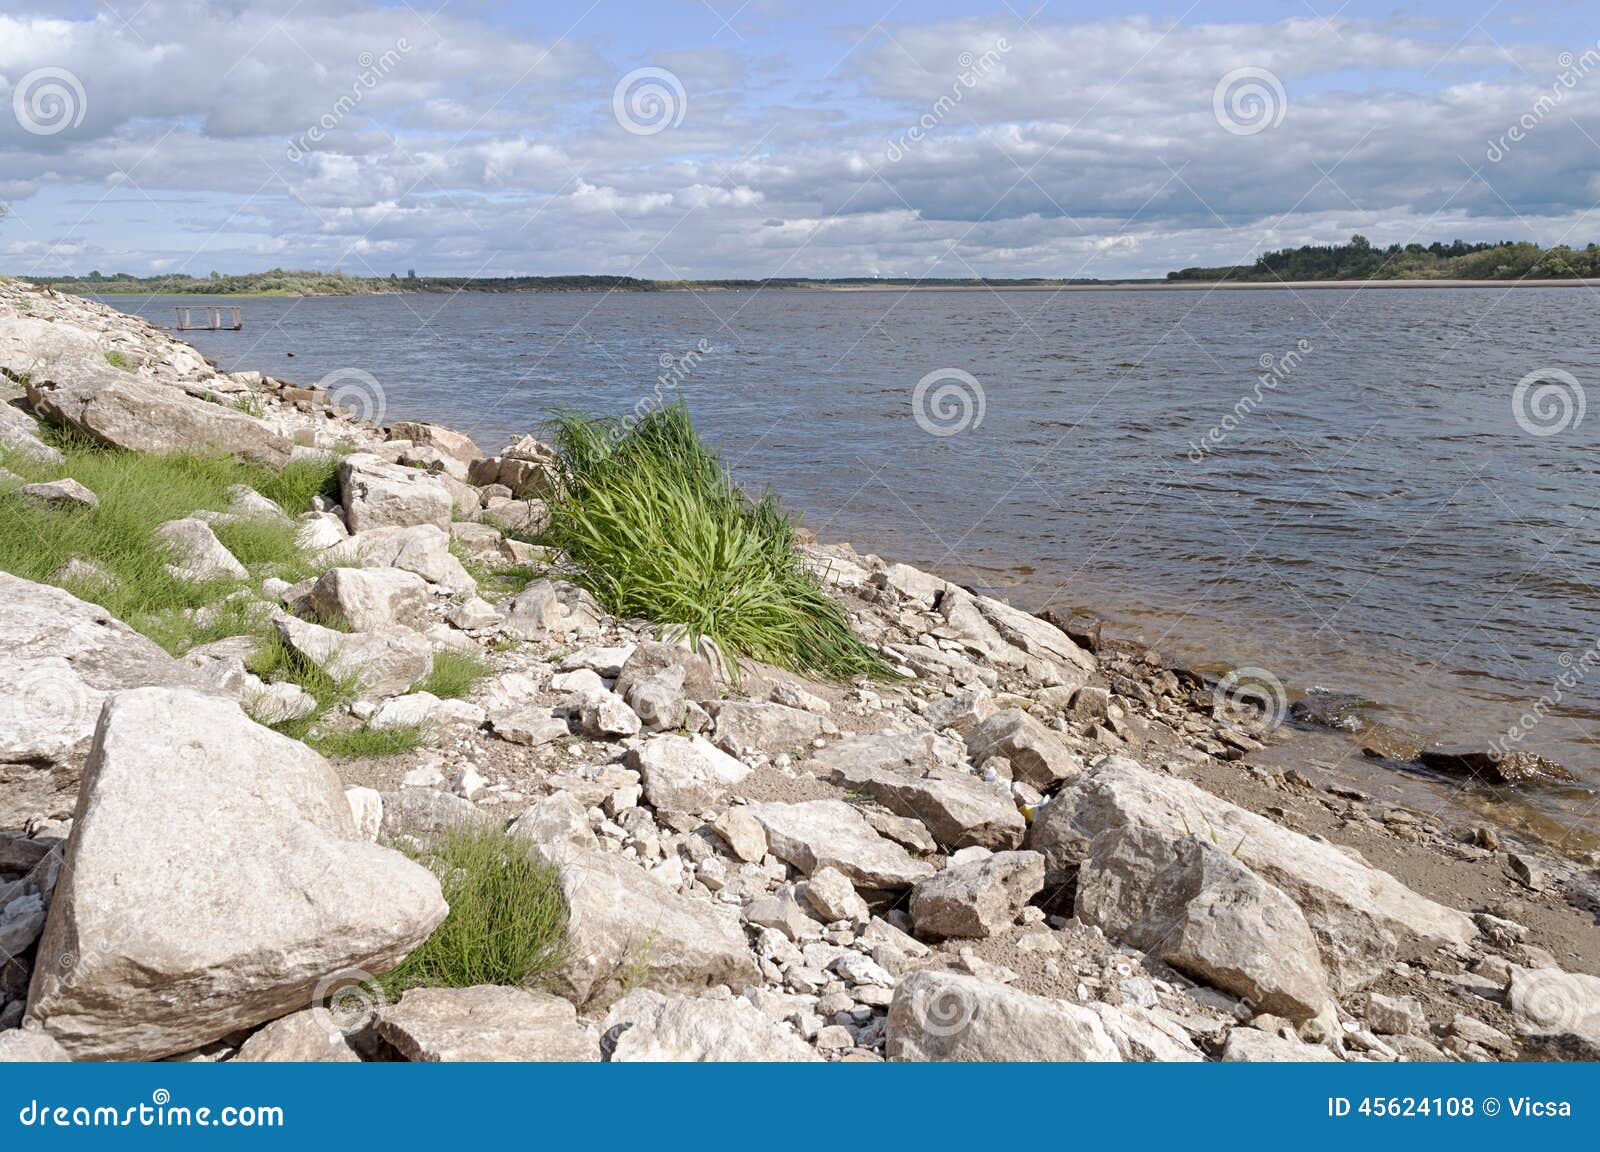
(1034, 841)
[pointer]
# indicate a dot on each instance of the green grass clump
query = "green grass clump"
(655, 527)
(507, 922)
(137, 492)
(119, 360)
(363, 743)
(454, 674)
(275, 661)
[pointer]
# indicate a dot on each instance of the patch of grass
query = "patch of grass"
(250, 405)
(507, 921)
(655, 527)
(363, 743)
(137, 492)
(454, 674)
(274, 661)
(119, 360)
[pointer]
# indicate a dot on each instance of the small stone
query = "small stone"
(835, 1038)
(1396, 1015)
(366, 809)
(468, 784)
(830, 893)
(472, 614)
(607, 716)
(743, 833)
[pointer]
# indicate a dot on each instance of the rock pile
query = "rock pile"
(1005, 855)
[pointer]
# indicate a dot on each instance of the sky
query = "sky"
(710, 138)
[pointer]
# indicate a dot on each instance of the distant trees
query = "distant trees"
(1458, 260)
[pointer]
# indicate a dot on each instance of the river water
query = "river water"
(1382, 492)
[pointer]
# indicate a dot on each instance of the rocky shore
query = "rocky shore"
(1032, 845)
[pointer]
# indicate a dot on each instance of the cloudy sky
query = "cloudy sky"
(703, 138)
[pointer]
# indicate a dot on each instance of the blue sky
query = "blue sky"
(875, 138)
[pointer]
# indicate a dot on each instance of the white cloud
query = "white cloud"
(1087, 148)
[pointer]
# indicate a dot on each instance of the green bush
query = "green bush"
(507, 921)
(655, 527)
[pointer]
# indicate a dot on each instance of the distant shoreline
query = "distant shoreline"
(1106, 286)
(1210, 285)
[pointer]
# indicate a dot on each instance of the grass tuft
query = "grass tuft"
(275, 661)
(507, 921)
(655, 527)
(454, 674)
(364, 743)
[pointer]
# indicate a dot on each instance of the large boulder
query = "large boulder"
(485, 1023)
(41, 621)
(420, 548)
(382, 663)
(819, 834)
(1207, 915)
(370, 598)
(746, 726)
(213, 879)
(457, 445)
(527, 467)
(685, 773)
(1252, 1046)
(552, 610)
(1010, 638)
(124, 411)
(62, 655)
(626, 928)
(977, 898)
(20, 432)
(1037, 755)
(378, 494)
(649, 658)
(1363, 919)
(855, 760)
(950, 1016)
(1560, 1009)
(310, 1036)
(645, 1026)
(197, 553)
(901, 771)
